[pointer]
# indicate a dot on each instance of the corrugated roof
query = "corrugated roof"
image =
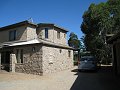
(34, 41)
(18, 43)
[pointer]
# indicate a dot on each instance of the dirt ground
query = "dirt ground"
(57, 81)
(71, 79)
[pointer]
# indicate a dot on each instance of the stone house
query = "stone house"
(31, 48)
(114, 41)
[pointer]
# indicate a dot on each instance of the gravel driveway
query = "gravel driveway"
(57, 81)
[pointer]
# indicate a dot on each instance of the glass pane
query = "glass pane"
(46, 32)
(12, 35)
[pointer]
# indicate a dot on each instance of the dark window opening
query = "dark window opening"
(5, 57)
(69, 53)
(33, 49)
(64, 35)
(21, 55)
(46, 32)
(60, 50)
(12, 35)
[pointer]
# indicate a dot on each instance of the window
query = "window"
(12, 35)
(69, 53)
(46, 32)
(64, 35)
(60, 50)
(33, 49)
(19, 55)
(58, 34)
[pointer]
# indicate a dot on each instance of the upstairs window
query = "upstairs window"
(69, 53)
(12, 35)
(64, 35)
(58, 34)
(46, 32)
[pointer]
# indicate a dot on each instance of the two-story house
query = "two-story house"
(34, 48)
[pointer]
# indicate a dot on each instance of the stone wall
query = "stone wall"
(62, 40)
(12, 62)
(52, 35)
(41, 33)
(32, 60)
(41, 59)
(31, 33)
(56, 59)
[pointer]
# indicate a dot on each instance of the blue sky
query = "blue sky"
(64, 13)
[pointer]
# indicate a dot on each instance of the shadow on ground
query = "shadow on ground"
(103, 79)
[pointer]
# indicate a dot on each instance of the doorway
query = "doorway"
(5, 60)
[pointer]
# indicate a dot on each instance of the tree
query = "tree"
(74, 41)
(99, 20)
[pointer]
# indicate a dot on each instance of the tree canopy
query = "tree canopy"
(74, 41)
(99, 20)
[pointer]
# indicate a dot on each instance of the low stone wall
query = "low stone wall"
(56, 59)
(32, 60)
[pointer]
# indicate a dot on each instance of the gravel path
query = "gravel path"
(57, 81)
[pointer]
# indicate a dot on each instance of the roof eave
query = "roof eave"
(18, 24)
(53, 25)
